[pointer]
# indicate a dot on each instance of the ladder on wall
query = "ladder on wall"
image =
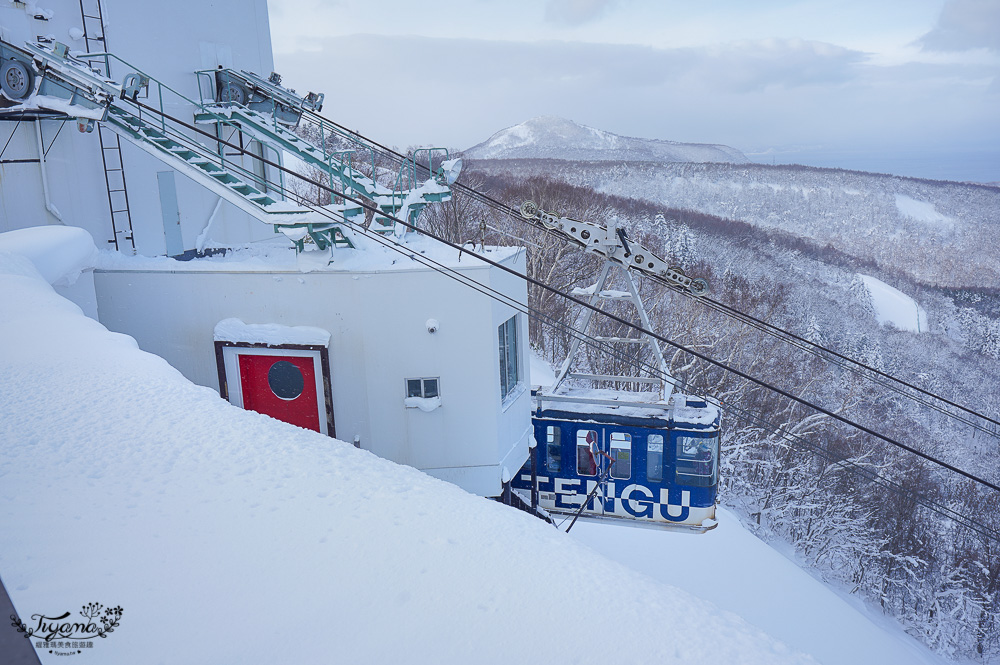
(92, 14)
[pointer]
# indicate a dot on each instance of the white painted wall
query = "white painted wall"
(168, 40)
(379, 338)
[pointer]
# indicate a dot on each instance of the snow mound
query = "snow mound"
(921, 211)
(550, 137)
(894, 307)
(59, 253)
(227, 536)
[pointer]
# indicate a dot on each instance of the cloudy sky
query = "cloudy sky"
(902, 86)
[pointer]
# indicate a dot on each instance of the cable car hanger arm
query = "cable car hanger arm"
(613, 244)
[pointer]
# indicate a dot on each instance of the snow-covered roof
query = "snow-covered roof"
(227, 536)
(277, 255)
(681, 410)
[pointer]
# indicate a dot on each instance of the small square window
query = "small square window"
(429, 387)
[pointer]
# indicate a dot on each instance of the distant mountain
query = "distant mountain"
(550, 137)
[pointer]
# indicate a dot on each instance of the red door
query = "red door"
(283, 387)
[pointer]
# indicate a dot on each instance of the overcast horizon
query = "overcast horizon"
(911, 88)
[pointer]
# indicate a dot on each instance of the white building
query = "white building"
(374, 347)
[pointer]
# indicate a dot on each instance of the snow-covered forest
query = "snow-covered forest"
(863, 515)
(814, 252)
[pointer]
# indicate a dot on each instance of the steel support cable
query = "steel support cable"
(605, 348)
(790, 337)
(879, 377)
(826, 354)
(598, 310)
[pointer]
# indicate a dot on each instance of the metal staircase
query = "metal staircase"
(266, 129)
(267, 112)
(83, 90)
(231, 182)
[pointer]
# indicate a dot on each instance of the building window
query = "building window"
(654, 458)
(509, 371)
(553, 448)
(697, 461)
(423, 387)
(621, 455)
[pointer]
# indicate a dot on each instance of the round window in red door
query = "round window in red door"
(285, 380)
(283, 387)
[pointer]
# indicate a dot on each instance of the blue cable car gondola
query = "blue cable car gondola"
(650, 456)
(646, 462)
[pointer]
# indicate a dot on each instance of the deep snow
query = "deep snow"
(738, 572)
(229, 537)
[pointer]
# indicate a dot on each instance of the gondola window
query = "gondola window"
(553, 448)
(509, 371)
(654, 458)
(586, 462)
(621, 454)
(696, 461)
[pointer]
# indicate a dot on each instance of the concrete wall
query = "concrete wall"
(377, 321)
(169, 40)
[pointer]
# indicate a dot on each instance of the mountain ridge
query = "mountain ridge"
(552, 137)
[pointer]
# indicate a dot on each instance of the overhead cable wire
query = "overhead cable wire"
(609, 315)
(802, 343)
(548, 320)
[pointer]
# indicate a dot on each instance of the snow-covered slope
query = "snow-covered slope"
(894, 307)
(762, 586)
(550, 137)
(229, 537)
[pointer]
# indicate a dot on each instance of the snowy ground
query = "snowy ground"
(732, 568)
(921, 211)
(894, 307)
(229, 537)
